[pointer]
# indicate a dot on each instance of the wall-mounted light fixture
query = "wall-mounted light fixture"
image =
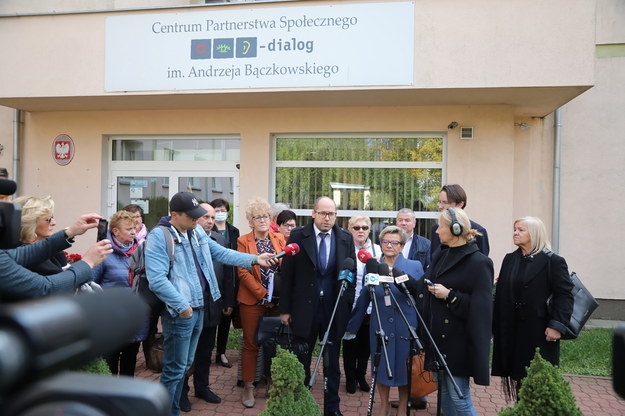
(524, 126)
(452, 125)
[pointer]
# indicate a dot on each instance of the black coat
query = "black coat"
(462, 328)
(298, 296)
(223, 274)
(521, 319)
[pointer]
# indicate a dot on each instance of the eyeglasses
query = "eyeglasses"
(49, 220)
(442, 203)
(324, 214)
(261, 218)
(289, 226)
(391, 242)
(360, 227)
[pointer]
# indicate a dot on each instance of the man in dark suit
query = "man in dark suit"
(231, 234)
(212, 317)
(309, 291)
(417, 247)
(454, 196)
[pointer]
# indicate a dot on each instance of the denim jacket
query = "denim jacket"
(181, 288)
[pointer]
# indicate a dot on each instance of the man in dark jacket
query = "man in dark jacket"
(417, 247)
(454, 196)
(310, 288)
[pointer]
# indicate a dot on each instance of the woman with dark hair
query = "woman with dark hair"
(522, 321)
(458, 310)
(231, 234)
(286, 220)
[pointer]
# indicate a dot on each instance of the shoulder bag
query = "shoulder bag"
(584, 304)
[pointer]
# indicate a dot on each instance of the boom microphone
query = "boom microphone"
(372, 277)
(42, 337)
(289, 250)
(401, 279)
(364, 255)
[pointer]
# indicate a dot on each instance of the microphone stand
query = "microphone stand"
(324, 341)
(441, 364)
(382, 340)
(415, 345)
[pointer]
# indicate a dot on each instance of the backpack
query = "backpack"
(137, 276)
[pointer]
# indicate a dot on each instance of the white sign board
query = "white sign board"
(315, 46)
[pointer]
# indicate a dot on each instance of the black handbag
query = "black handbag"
(270, 333)
(584, 304)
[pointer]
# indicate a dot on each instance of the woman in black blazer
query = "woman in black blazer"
(522, 321)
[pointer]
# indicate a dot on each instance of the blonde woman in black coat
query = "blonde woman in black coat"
(458, 309)
(529, 276)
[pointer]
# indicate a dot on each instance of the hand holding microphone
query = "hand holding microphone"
(364, 255)
(289, 250)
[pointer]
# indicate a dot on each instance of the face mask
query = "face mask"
(221, 216)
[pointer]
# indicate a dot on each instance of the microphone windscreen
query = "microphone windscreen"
(397, 272)
(383, 269)
(348, 264)
(291, 249)
(364, 255)
(7, 187)
(371, 265)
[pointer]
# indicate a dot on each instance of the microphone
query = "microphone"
(289, 250)
(400, 279)
(364, 255)
(385, 279)
(346, 275)
(42, 337)
(372, 278)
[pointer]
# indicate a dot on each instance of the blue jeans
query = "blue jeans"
(453, 405)
(180, 337)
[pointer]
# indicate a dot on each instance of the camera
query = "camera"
(41, 339)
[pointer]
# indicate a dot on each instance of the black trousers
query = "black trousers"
(124, 360)
(223, 330)
(331, 368)
(356, 353)
(201, 368)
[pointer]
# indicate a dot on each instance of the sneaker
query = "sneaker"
(208, 395)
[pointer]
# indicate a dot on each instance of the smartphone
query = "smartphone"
(428, 282)
(103, 226)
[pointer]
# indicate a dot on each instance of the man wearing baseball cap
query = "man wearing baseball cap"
(184, 286)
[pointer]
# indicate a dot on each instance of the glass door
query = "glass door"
(153, 191)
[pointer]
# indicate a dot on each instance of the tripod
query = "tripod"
(441, 365)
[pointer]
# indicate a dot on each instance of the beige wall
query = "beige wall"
(77, 187)
(456, 46)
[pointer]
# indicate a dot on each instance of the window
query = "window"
(176, 149)
(373, 175)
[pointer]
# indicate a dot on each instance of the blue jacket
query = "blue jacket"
(18, 283)
(181, 288)
(113, 271)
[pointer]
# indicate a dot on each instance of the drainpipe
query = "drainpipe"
(17, 133)
(557, 139)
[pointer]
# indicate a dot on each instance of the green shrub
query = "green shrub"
(544, 392)
(287, 394)
(98, 366)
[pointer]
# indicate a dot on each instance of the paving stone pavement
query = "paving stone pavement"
(595, 395)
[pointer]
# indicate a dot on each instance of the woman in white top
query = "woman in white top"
(356, 351)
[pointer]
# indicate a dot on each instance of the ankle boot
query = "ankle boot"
(248, 394)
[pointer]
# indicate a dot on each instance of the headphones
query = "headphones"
(455, 226)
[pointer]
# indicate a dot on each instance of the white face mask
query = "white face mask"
(221, 216)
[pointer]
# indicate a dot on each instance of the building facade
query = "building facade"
(376, 104)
